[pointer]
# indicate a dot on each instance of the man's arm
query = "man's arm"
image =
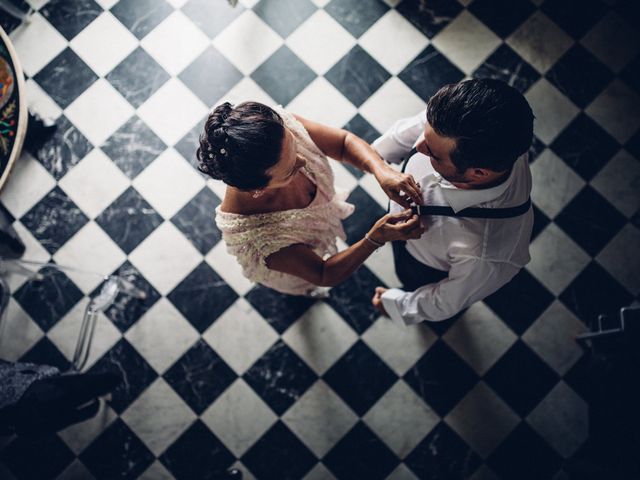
(396, 142)
(471, 279)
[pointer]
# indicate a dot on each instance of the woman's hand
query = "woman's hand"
(394, 182)
(398, 226)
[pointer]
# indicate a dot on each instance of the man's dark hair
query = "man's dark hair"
(490, 121)
(240, 144)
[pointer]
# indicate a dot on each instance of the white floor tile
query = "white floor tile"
(104, 43)
(319, 472)
(238, 42)
(320, 337)
(613, 41)
(391, 102)
(553, 111)
(552, 336)
(75, 470)
(320, 42)
(37, 43)
(172, 111)
(168, 183)
(175, 43)
(39, 103)
(247, 90)
(165, 257)
(18, 333)
(556, 260)
(402, 472)
(617, 110)
(540, 41)
(156, 471)
(320, 418)
(240, 336)
(92, 252)
(99, 112)
(29, 182)
(227, 266)
(401, 419)
(480, 337)
(554, 183)
(381, 264)
(562, 419)
(158, 416)
(321, 102)
(482, 419)
(34, 251)
(466, 42)
(618, 182)
(239, 417)
(64, 334)
(620, 258)
(399, 348)
(162, 335)
(407, 42)
(94, 183)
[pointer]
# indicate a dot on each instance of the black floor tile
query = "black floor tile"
(441, 378)
(357, 75)
(280, 377)
(129, 220)
(137, 77)
(202, 297)
(360, 378)
(200, 376)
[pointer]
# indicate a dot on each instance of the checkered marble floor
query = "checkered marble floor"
(221, 372)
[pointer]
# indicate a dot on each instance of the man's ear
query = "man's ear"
(480, 173)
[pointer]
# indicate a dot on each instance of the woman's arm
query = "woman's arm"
(347, 147)
(301, 261)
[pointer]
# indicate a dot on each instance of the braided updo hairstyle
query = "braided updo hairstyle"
(240, 144)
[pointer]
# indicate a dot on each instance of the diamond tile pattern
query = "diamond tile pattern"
(254, 378)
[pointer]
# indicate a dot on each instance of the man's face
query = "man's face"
(438, 149)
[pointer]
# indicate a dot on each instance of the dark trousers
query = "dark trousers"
(412, 273)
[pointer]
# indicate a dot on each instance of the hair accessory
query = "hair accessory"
(211, 155)
(222, 151)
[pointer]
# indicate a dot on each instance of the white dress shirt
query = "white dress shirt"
(481, 255)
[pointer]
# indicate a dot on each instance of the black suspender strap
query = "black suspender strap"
(474, 212)
(406, 159)
(471, 212)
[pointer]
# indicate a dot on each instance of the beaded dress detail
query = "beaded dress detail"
(252, 238)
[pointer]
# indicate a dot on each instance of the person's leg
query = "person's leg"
(411, 272)
(54, 403)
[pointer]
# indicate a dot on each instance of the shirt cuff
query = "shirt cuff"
(389, 301)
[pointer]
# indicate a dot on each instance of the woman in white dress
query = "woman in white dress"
(281, 215)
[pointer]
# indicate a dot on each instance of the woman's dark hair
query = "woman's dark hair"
(491, 122)
(240, 144)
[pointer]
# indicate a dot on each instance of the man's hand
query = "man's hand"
(376, 301)
(394, 182)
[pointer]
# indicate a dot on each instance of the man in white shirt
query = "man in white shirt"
(471, 157)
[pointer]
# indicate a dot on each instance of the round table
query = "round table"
(13, 107)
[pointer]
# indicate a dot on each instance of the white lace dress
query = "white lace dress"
(252, 238)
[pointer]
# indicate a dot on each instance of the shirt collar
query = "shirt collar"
(460, 198)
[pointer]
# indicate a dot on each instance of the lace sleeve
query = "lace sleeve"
(252, 241)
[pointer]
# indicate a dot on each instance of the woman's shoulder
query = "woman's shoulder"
(297, 128)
